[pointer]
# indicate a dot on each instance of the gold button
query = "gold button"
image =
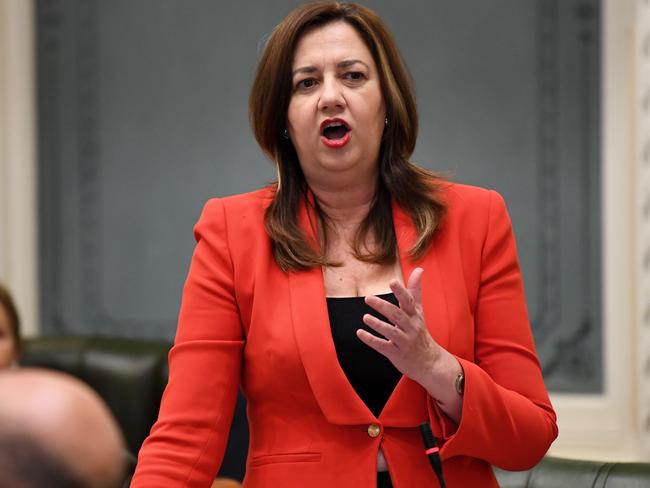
(374, 430)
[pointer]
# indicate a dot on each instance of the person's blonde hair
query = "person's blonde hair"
(415, 189)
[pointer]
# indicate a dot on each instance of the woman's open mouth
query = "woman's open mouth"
(335, 133)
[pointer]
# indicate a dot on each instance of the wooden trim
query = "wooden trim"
(642, 217)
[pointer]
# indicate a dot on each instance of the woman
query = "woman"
(353, 300)
(10, 341)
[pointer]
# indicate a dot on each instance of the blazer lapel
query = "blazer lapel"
(406, 407)
(340, 404)
(434, 301)
(335, 396)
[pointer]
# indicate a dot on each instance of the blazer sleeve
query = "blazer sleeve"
(187, 443)
(507, 417)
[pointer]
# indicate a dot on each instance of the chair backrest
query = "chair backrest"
(129, 374)
(561, 473)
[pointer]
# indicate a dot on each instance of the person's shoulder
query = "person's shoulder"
(460, 194)
(463, 197)
(250, 202)
(234, 214)
(262, 195)
(469, 205)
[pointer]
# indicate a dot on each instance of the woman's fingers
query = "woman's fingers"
(394, 314)
(405, 298)
(409, 308)
(414, 285)
(408, 344)
(380, 345)
(389, 331)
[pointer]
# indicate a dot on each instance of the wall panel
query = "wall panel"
(143, 117)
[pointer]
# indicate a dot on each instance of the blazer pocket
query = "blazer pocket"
(289, 457)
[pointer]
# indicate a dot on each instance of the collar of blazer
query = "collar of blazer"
(407, 406)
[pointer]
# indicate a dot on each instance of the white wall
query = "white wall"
(18, 205)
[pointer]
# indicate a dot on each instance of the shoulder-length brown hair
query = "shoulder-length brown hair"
(9, 306)
(415, 189)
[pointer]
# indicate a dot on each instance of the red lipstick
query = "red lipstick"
(335, 133)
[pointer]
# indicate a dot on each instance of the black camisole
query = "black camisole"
(370, 373)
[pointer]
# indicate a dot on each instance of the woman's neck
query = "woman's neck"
(345, 206)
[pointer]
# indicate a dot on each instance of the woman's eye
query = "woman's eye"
(355, 76)
(305, 84)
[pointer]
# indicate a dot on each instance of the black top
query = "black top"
(370, 373)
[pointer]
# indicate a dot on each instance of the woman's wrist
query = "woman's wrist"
(442, 384)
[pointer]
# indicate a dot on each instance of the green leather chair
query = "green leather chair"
(130, 375)
(567, 473)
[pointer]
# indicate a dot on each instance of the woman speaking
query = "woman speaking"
(353, 300)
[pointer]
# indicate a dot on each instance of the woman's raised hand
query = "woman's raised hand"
(407, 344)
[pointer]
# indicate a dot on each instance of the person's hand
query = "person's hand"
(408, 344)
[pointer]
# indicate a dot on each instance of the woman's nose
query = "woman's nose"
(331, 95)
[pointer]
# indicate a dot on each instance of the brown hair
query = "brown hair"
(14, 319)
(415, 189)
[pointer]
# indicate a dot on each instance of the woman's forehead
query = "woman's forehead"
(330, 44)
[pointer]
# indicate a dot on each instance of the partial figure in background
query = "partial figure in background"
(10, 340)
(225, 483)
(56, 432)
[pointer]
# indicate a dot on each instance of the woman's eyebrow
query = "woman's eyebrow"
(343, 64)
(349, 62)
(305, 69)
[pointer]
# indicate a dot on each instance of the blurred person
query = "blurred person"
(10, 340)
(225, 483)
(56, 432)
(354, 299)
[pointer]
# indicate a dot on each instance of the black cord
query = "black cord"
(432, 452)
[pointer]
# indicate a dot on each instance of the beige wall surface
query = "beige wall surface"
(18, 209)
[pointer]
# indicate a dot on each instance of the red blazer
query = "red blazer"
(245, 322)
